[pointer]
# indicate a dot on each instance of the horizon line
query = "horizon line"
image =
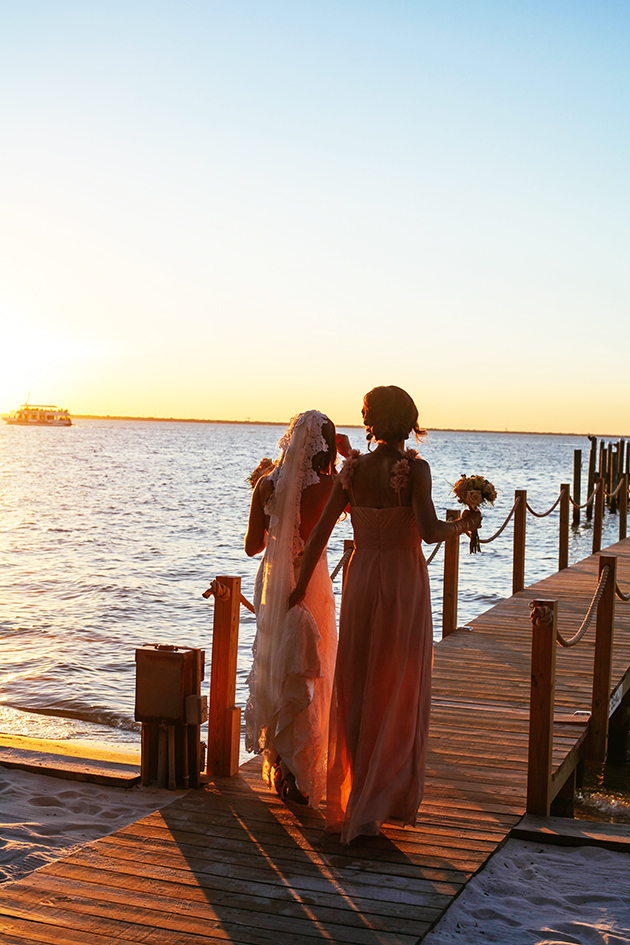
(352, 426)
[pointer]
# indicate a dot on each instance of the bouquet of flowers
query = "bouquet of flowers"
(263, 468)
(474, 492)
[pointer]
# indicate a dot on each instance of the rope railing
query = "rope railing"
(620, 595)
(221, 592)
(611, 495)
(544, 615)
(548, 512)
(584, 504)
(434, 552)
(345, 557)
(486, 541)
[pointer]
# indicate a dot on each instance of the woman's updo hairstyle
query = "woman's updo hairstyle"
(389, 414)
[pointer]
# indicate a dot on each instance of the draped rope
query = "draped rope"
(611, 495)
(584, 504)
(434, 552)
(345, 557)
(543, 615)
(620, 595)
(486, 541)
(548, 512)
(247, 605)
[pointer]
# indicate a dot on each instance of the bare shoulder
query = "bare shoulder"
(419, 470)
(264, 487)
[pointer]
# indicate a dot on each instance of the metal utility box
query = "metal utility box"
(171, 708)
(165, 677)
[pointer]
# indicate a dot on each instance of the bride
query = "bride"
(286, 718)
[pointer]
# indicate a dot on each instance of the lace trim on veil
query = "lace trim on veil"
(293, 473)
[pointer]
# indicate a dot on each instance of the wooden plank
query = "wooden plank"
(231, 864)
(576, 833)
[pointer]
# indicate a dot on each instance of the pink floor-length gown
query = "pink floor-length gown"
(382, 689)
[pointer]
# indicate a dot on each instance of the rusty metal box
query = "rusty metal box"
(165, 677)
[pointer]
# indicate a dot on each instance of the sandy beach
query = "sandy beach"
(43, 818)
(527, 894)
(540, 894)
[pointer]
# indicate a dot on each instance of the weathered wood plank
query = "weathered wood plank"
(232, 864)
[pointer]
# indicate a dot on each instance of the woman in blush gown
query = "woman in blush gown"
(382, 688)
(286, 718)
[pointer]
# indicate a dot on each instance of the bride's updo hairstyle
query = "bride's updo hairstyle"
(389, 414)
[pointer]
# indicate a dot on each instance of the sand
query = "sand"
(43, 818)
(527, 894)
(539, 894)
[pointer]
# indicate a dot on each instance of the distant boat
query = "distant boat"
(37, 415)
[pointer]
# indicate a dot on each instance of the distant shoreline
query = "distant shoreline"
(351, 426)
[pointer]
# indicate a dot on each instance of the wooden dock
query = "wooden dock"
(231, 864)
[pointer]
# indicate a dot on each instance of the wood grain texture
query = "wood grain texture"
(231, 864)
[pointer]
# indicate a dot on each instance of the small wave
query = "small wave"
(95, 716)
(602, 807)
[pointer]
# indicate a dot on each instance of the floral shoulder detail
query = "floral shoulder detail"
(399, 478)
(347, 470)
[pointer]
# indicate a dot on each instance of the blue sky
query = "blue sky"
(246, 209)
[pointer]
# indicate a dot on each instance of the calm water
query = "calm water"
(111, 530)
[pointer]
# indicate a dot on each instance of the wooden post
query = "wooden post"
(563, 551)
(592, 463)
(542, 694)
(518, 557)
(602, 459)
(451, 578)
(622, 456)
(599, 515)
(577, 485)
(623, 506)
(614, 479)
(609, 470)
(192, 751)
(224, 719)
(602, 664)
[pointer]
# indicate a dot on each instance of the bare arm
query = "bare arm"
(256, 535)
(431, 528)
(317, 539)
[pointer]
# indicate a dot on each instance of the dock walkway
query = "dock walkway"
(232, 864)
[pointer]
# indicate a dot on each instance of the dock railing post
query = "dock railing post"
(577, 486)
(563, 550)
(623, 506)
(224, 719)
(602, 664)
(451, 579)
(608, 478)
(614, 479)
(592, 463)
(518, 559)
(543, 679)
(599, 515)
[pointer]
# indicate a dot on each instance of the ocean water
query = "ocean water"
(110, 531)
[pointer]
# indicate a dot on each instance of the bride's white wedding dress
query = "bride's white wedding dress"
(294, 651)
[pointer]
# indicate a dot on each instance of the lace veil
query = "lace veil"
(293, 473)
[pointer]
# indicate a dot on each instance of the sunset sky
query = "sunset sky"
(239, 210)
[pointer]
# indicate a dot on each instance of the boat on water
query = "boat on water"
(39, 415)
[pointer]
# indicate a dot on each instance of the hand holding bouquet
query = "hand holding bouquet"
(474, 492)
